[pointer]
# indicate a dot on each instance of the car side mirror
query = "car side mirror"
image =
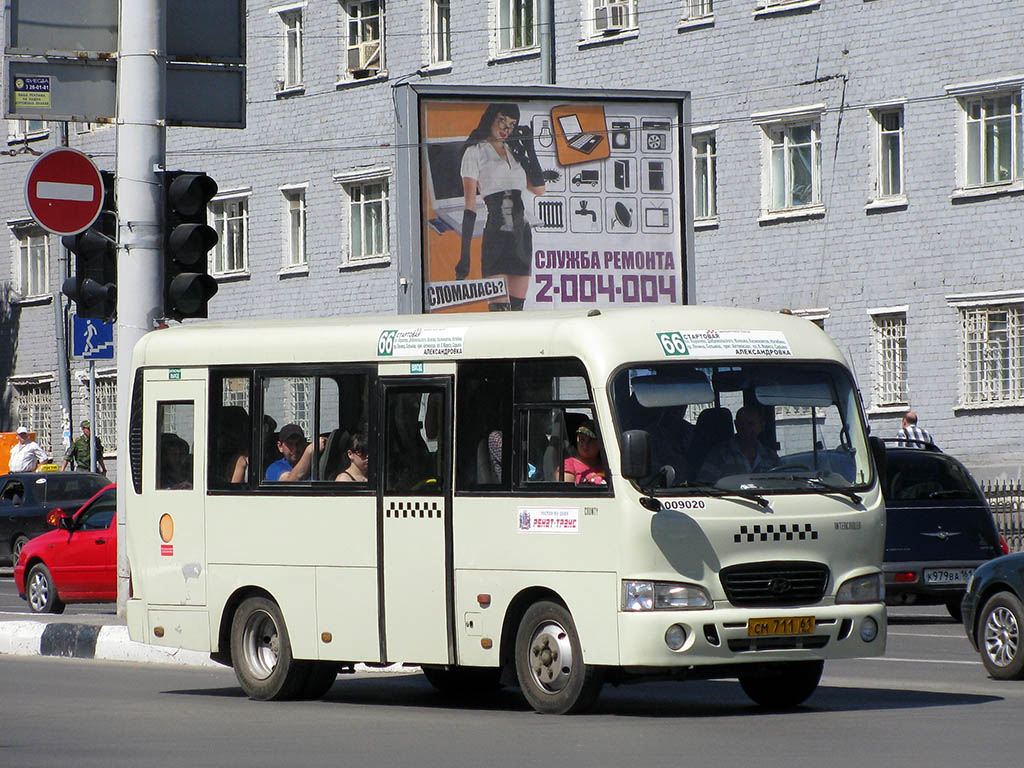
(636, 454)
(881, 459)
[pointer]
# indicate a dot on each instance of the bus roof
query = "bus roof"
(605, 338)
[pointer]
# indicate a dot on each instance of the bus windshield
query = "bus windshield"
(764, 426)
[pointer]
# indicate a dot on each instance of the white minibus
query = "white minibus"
(552, 500)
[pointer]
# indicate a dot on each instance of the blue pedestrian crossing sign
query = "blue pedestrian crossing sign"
(92, 339)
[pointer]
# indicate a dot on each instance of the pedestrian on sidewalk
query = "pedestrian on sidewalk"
(911, 435)
(26, 455)
(79, 455)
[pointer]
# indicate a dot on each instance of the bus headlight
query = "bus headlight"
(862, 589)
(663, 596)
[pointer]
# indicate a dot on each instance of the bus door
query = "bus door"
(414, 520)
(173, 521)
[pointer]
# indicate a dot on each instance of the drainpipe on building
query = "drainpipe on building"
(547, 42)
(60, 334)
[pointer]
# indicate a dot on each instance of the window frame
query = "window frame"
(597, 9)
(707, 191)
(20, 130)
(506, 27)
(295, 254)
(966, 94)
(37, 414)
(217, 210)
(28, 239)
(977, 364)
(784, 123)
(889, 352)
(292, 18)
(882, 168)
(357, 31)
(360, 180)
(439, 32)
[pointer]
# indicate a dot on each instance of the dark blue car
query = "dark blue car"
(993, 614)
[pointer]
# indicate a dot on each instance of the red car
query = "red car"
(77, 563)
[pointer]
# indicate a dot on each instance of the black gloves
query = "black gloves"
(520, 144)
(468, 223)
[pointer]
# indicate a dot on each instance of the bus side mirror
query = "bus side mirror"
(636, 454)
(881, 459)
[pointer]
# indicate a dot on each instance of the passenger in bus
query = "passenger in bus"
(743, 453)
(296, 456)
(359, 462)
(587, 467)
(671, 435)
(175, 463)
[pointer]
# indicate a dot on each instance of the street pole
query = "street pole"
(141, 144)
(60, 337)
(92, 415)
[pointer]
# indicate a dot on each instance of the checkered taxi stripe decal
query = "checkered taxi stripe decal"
(403, 510)
(772, 532)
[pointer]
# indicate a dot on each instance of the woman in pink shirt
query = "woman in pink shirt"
(586, 467)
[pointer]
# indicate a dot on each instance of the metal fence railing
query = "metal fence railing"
(1007, 502)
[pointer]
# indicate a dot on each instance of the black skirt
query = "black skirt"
(508, 240)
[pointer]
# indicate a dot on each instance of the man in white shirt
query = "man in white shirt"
(26, 455)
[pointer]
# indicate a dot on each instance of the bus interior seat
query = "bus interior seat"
(557, 448)
(714, 426)
(334, 459)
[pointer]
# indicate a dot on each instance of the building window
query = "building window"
(698, 9)
(105, 426)
(365, 53)
(890, 353)
(991, 355)
(33, 405)
(517, 25)
(613, 16)
(32, 268)
(26, 130)
(230, 219)
(795, 175)
(889, 145)
(995, 140)
(368, 220)
(291, 21)
(295, 226)
(440, 31)
(705, 173)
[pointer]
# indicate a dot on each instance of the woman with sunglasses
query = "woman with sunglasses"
(358, 462)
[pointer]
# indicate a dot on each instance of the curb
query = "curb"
(112, 643)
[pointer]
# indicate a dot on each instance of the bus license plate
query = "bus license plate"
(780, 625)
(947, 575)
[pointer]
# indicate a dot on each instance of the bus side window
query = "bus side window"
(288, 414)
(414, 451)
(484, 426)
(175, 430)
(230, 431)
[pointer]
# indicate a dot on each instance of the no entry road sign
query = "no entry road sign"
(64, 191)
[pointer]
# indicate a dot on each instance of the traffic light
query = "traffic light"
(94, 285)
(187, 239)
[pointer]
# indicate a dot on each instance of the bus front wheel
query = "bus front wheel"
(261, 652)
(784, 684)
(549, 662)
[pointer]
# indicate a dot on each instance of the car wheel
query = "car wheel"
(999, 636)
(464, 681)
(784, 685)
(953, 606)
(261, 652)
(19, 544)
(40, 591)
(549, 662)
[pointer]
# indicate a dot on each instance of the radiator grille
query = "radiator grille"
(775, 583)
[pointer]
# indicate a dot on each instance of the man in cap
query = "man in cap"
(78, 454)
(296, 456)
(26, 455)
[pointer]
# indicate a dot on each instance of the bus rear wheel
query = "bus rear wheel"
(261, 652)
(549, 662)
(783, 685)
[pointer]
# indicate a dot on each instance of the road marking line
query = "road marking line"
(921, 661)
(960, 636)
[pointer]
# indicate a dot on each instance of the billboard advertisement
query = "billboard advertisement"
(551, 201)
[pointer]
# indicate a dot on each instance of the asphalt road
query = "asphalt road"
(927, 703)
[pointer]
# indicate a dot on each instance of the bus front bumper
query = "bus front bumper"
(730, 635)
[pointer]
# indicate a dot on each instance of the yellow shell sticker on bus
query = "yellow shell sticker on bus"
(714, 343)
(549, 520)
(421, 342)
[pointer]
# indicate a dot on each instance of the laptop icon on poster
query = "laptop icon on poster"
(575, 137)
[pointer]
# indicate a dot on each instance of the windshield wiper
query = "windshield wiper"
(817, 482)
(714, 490)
